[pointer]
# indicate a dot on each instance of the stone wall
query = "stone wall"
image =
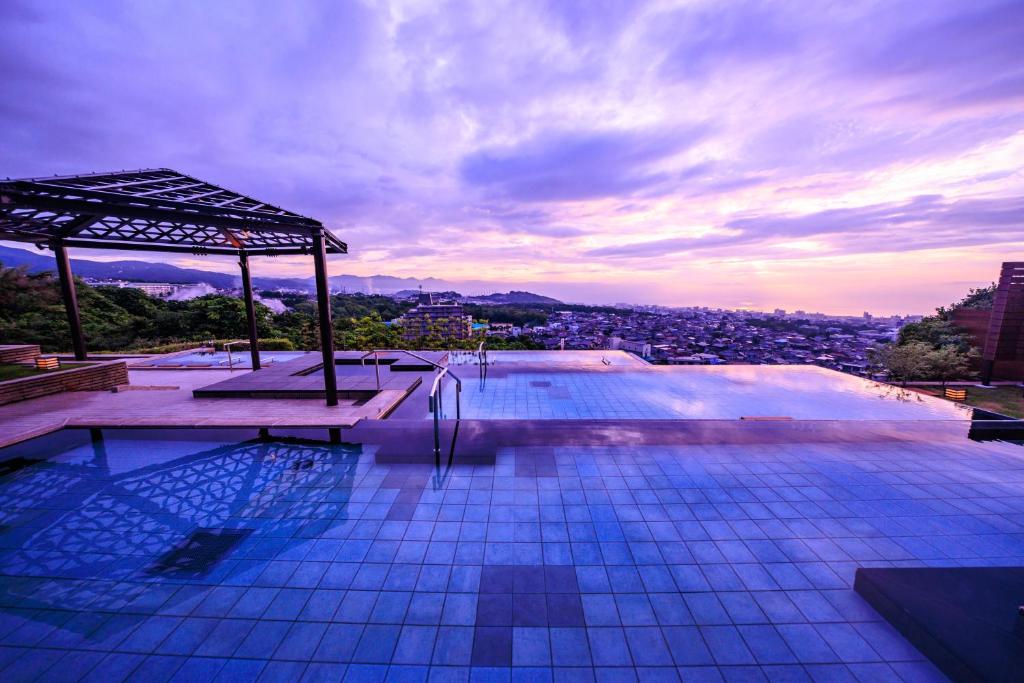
(96, 377)
(18, 353)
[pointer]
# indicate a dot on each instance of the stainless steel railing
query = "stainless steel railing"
(376, 360)
(435, 399)
(227, 347)
(436, 402)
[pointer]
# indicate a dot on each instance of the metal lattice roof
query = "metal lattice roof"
(152, 210)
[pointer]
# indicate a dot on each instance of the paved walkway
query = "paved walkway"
(163, 398)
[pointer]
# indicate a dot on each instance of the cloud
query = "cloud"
(711, 36)
(569, 166)
(926, 222)
(962, 53)
(547, 137)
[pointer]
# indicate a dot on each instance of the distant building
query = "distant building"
(640, 348)
(435, 318)
(504, 330)
(155, 288)
(695, 359)
(151, 288)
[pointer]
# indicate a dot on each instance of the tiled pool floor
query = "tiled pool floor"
(571, 564)
(668, 393)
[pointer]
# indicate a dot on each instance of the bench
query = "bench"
(955, 394)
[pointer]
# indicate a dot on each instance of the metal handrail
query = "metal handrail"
(376, 360)
(434, 394)
(434, 398)
(227, 347)
(481, 353)
(436, 402)
(376, 364)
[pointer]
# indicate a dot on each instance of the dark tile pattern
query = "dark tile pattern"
(200, 552)
(703, 562)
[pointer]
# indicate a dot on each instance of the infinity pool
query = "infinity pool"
(550, 358)
(721, 392)
(219, 359)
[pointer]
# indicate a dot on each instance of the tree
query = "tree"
(935, 332)
(904, 362)
(218, 317)
(977, 298)
(948, 363)
(939, 330)
(367, 333)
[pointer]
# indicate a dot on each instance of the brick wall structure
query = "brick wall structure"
(99, 376)
(18, 353)
(1002, 357)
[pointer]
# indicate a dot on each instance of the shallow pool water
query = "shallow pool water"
(722, 392)
(202, 556)
(549, 358)
(220, 359)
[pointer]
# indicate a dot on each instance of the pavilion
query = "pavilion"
(165, 211)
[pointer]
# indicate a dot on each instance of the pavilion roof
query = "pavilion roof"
(152, 210)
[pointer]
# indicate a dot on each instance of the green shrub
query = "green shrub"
(273, 344)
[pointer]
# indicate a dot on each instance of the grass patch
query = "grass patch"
(16, 371)
(1005, 400)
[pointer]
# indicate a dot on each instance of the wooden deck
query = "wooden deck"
(164, 398)
(303, 378)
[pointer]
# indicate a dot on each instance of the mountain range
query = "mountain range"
(146, 271)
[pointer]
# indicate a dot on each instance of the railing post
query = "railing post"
(376, 364)
(437, 437)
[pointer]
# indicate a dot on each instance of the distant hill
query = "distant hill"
(385, 284)
(514, 298)
(147, 271)
(136, 271)
(449, 295)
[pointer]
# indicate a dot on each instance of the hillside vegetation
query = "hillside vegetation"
(126, 319)
(935, 348)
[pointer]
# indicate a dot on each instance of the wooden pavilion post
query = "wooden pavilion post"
(70, 296)
(250, 309)
(323, 304)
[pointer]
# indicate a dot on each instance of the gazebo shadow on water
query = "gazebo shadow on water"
(78, 537)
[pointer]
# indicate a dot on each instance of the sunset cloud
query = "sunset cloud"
(599, 151)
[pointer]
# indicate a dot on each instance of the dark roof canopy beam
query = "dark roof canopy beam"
(224, 249)
(116, 186)
(82, 200)
(201, 195)
(156, 207)
(176, 188)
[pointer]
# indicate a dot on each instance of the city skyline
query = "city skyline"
(742, 155)
(371, 284)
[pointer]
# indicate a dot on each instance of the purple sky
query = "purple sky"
(834, 156)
